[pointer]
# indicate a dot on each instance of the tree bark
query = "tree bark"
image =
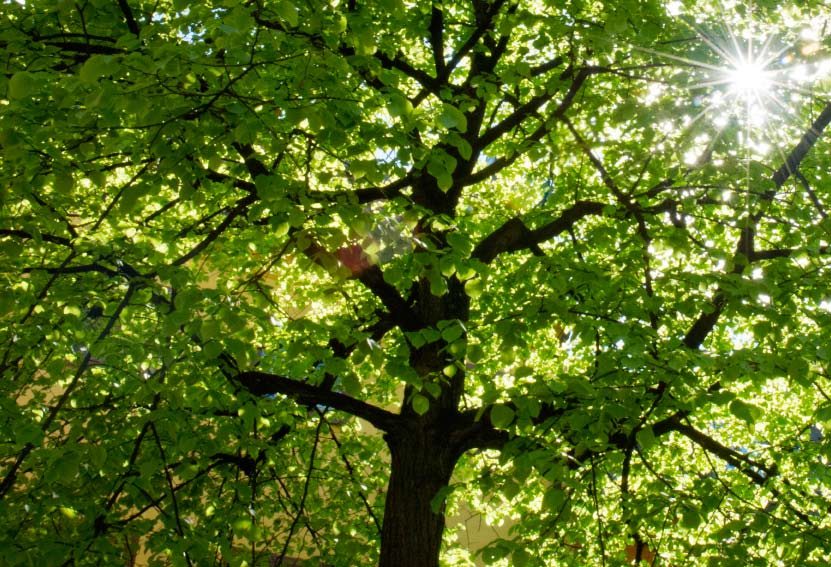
(421, 465)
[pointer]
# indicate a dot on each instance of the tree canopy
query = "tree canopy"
(304, 279)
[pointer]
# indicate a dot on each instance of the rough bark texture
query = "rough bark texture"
(421, 466)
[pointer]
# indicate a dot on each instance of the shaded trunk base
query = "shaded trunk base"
(411, 534)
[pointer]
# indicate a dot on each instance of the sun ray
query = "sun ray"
(766, 60)
(714, 47)
(788, 87)
(708, 84)
(678, 58)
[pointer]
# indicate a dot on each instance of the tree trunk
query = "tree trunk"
(411, 534)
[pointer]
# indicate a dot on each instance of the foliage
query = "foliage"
(231, 229)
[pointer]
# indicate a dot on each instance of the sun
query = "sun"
(749, 79)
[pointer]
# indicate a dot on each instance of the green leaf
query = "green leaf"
(462, 146)
(690, 518)
(452, 117)
(501, 416)
(398, 106)
(72, 310)
(243, 525)
(520, 558)
(441, 166)
(22, 85)
(523, 371)
(209, 329)
(364, 42)
(97, 455)
(475, 353)
(473, 287)
(438, 285)
(580, 386)
(453, 331)
(554, 499)
(798, 370)
(445, 182)
(131, 195)
(745, 411)
(287, 12)
(96, 67)
(461, 242)
(823, 413)
(26, 432)
(645, 437)
(433, 389)
(416, 339)
(495, 551)
(65, 467)
(420, 404)
(351, 384)
(616, 23)
(437, 503)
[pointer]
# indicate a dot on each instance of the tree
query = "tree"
(540, 246)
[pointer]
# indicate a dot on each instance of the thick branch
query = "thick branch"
(510, 237)
(386, 192)
(472, 430)
(437, 38)
(370, 275)
(264, 384)
(400, 311)
(26, 236)
(218, 177)
(549, 65)
(86, 48)
(782, 253)
(567, 219)
(128, 16)
(514, 235)
(84, 269)
(757, 472)
(795, 157)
